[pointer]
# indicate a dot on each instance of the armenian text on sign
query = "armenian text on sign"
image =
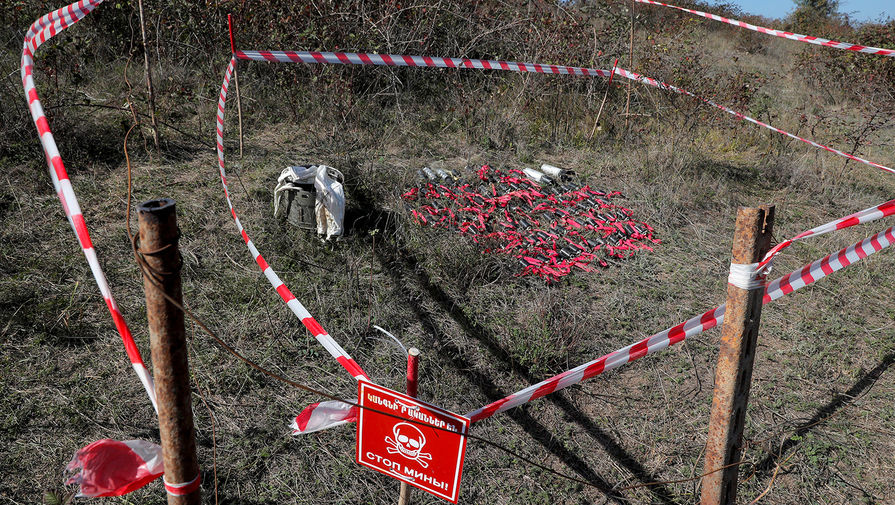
(409, 440)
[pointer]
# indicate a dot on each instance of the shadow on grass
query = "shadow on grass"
(236, 501)
(841, 401)
(29, 310)
(402, 266)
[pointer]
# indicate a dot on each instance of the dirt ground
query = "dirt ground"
(822, 411)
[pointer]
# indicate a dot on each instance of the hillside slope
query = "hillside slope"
(821, 413)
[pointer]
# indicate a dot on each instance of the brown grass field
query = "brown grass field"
(821, 419)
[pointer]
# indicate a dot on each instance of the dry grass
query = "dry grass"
(823, 387)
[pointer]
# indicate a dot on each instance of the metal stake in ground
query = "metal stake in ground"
(158, 246)
(733, 376)
(412, 387)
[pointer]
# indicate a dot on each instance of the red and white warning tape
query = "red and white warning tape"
(785, 285)
(865, 216)
(324, 415)
(114, 468)
(66, 16)
(291, 301)
(40, 31)
(51, 24)
(337, 413)
(779, 33)
(661, 85)
(400, 60)
(634, 351)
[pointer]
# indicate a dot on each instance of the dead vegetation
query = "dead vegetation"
(821, 417)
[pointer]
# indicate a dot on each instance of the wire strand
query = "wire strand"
(153, 275)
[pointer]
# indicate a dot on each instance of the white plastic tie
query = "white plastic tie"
(182, 488)
(747, 275)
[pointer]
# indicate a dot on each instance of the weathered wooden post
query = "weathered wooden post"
(158, 246)
(412, 387)
(733, 376)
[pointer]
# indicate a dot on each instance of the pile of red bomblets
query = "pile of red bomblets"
(548, 223)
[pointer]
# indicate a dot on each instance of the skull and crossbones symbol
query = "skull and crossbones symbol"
(408, 442)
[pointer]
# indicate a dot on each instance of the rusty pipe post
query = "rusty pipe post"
(158, 246)
(733, 375)
(412, 387)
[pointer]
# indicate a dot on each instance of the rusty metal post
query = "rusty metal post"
(733, 376)
(158, 245)
(412, 388)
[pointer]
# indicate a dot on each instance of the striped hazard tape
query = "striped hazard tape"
(325, 415)
(334, 349)
(865, 216)
(41, 31)
(400, 60)
(54, 22)
(102, 468)
(779, 33)
(661, 85)
(635, 351)
(785, 285)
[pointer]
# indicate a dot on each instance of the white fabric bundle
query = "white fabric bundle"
(330, 206)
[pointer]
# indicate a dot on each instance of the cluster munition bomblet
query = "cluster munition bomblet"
(538, 177)
(554, 171)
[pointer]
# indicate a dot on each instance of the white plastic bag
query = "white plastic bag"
(330, 206)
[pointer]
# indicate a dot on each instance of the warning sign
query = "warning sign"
(423, 445)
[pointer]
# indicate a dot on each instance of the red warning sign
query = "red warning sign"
(423, 445)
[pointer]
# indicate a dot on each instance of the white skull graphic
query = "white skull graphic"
(408, 442)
